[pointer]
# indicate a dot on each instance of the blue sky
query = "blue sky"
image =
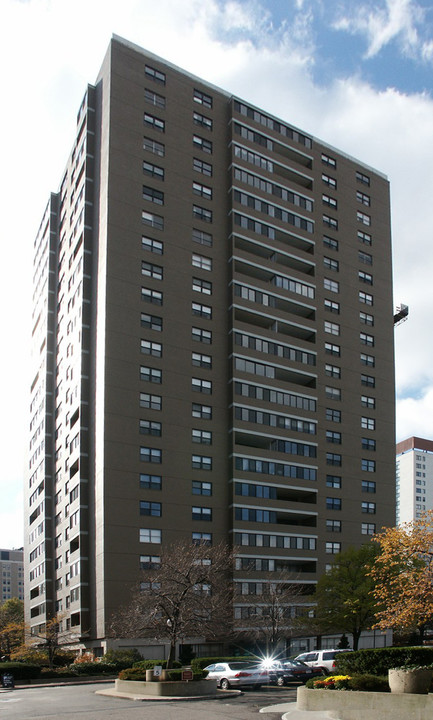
(356, 74)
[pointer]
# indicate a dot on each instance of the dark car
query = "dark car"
(283, 672)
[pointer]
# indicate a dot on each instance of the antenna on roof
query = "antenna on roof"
(401, 314)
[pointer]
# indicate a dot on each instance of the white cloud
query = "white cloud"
(397, 20)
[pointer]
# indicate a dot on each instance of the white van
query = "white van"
(323, 659)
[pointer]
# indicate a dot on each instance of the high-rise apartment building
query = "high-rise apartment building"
(11, 574)
(213, 346)
(414, 475)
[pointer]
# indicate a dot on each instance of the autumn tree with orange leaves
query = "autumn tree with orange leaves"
(403, 575)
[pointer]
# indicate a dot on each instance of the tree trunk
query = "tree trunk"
(356, 635)
(171, 655)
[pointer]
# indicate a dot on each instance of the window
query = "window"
(154, 99)
(201, 411)
(202, 98)
(203, 311)
(200, 213)
(153, 146)
(148, 347)
(333, 459)
(202, 262)
(366, 278)
(202, 386)
(367, 360)
(202, 167)
(201, 488)
(362, 178)
(368, 465)
(364, 237)
(333, 481)
(330, 222)
(202, 144)
(153, 322)
(150, 427)
(366, 318)
(201, 462)
(330, 201)
(202, 120)
(332, 548)
(155, 221)
(368, 507)
(151, 270)
(332, 328)
(152, 455)
(154, 123)
(368, 486)
(363, 198)
(365, 258)
(330, 181)
(368, 423)
(331, 285)
(200, 360)
(333, 415)
(368, 528)
(365, 298)
(332, 371)
(150, 562)
(368, 444)
(149, 374)
(200, 335)
(152, 195)
(368, 380)
(201, 538)
(154, 246)
(202, 286)
(150, 508)
(153, 170)
(154, 74)
(204, 437)
(330, 243)
(330, 264)
(201, 237)
(369, 402)
(332, 393)
(366, 339)
(328, 160)
(150, 482)
(149, 535)
(333, 437)
(333, 525)
(332, 306)
(363, 218)
(151, 296)
(203, 190)
(331, 349)
(153, 402)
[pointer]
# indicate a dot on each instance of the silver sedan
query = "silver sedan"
(235, 674)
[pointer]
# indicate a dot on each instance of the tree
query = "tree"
(187, 594)
(344, 594)
(11, 626)
(403, 575)
(53, 638)
(268, 615)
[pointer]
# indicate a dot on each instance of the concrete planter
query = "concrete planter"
(410, 681)
(175, 688)
(353, 705)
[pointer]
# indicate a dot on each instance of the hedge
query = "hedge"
(202, 662)
(137, 673)
(366, 682)
(20, 671)
(377, 661)
(150, 664)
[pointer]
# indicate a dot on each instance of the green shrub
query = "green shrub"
(202, 662)
(365, 682)
(137, 673)
(377, 661)
(57, 673)
(122, 658)
(93, 668)
(149, 664)
(39, 657)
(20, 671)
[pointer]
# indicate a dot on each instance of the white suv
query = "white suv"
(323, 659)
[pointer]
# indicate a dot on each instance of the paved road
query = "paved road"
(79, 702)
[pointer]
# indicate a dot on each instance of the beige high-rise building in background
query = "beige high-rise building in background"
(414, 473)
(11, 574)
(212, 346)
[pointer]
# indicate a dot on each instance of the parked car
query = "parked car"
(282, 672)
(323, 659)
(235, 674)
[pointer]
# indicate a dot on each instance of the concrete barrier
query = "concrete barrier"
(353, 705)
(175, 688)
